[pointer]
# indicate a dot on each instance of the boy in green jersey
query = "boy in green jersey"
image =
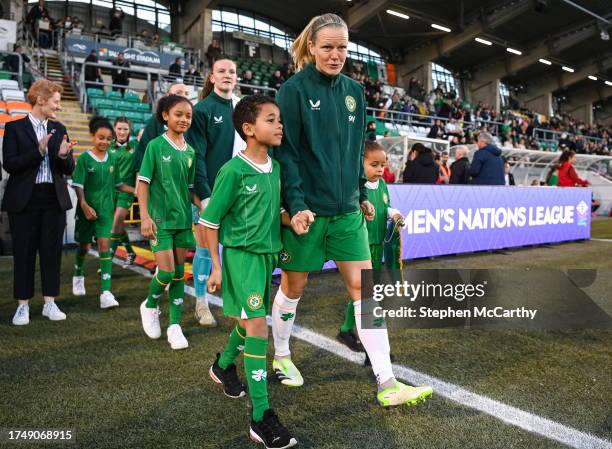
(123, 149)
(244, 213)
(164, 182)
(374, 161)
(95, 179)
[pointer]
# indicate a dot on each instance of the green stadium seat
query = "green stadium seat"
(131, 96)
(114, 94)
(110, 114)
(94, 92)
(104, 103)
(5, 75)
(125, 105)
(143, 107)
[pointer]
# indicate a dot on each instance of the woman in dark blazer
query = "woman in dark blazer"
(38, 157)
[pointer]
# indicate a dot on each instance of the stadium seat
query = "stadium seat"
(18, 107)
(104, 103)
(114, 94)
(131, 96)
(12, 95)
(94, 92)
(143, 107)
(9, 84)
(4, 119)
(5, 75)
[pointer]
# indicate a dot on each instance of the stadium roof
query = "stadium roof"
(556, 30)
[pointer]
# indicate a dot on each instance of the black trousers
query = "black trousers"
(38, 229)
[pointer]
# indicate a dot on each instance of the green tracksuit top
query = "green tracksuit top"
(212, 136)
(152, 130)
(321, 154)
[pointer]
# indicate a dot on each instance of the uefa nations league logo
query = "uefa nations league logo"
(582, 211)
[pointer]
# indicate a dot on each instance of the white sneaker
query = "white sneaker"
(150, 320)
(51, 311)
(203, 313)
(78, 285)
(22, 315)
(176, 338)
(107, 300)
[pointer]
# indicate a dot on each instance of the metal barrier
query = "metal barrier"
(549, 135)
(81, 86)
(414, 119)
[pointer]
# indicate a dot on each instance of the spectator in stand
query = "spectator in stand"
(436, 131)
(36, 13)
(487, 167)
(11, 62)
(445, 171)
(508, 177)
(247, 78)
(193, 77)
(213, 52)
(276, 80)
(175, 70)
(116, 22)
(120, 76)
(421, 169)
(567, 173)
(156, 40)
(371, 131)
(460, 169)
(145, 37)
(388, 174)
(92, 73)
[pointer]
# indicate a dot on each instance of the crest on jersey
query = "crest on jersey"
(284, 256)
(350, 103)
(111, 169)
(255, 301)
(385, 198)
(189, 162)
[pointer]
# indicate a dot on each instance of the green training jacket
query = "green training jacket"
(321, 154)
(212, 136)
(152, 130)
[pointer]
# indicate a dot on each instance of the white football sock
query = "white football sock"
(283, 316)
(376, 344)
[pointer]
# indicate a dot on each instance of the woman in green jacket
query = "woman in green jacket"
(324, 192)
(215, 141)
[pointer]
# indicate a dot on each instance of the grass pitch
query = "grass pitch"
(97, 373)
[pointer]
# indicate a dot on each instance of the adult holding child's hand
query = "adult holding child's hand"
(321, 157)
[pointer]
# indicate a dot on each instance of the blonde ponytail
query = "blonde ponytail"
(299, 49)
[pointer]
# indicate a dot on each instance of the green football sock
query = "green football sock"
(235, 344)
(115, 241)
(255, 349)
(106, 268)
(79, 262)
(176, 294)
(349, 318)
(125, 240)
(157, 286)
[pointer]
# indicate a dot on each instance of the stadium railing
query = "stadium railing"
(549, 135)
(415, 119)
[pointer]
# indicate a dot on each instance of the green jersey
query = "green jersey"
(125, 159)
(245, 206)
(169, 170)
(378, 195)
(98, 179)
(212, 136)
(321, 154)
(152, 130)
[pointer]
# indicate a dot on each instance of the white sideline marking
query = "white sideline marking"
(506, 413)
(602, 240)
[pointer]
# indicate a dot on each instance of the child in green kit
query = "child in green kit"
(244, 213)
(95, 179)
(124, 151)
(164, 183)
(374, 161)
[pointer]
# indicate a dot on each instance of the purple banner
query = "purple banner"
(457, 219)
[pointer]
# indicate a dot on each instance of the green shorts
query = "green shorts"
(124, 200)
(245, 283)
(172, 238)
(341, 238)
(376, 255)
(85, 231)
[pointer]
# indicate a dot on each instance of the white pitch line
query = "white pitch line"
(506, 413)
(602, 240)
